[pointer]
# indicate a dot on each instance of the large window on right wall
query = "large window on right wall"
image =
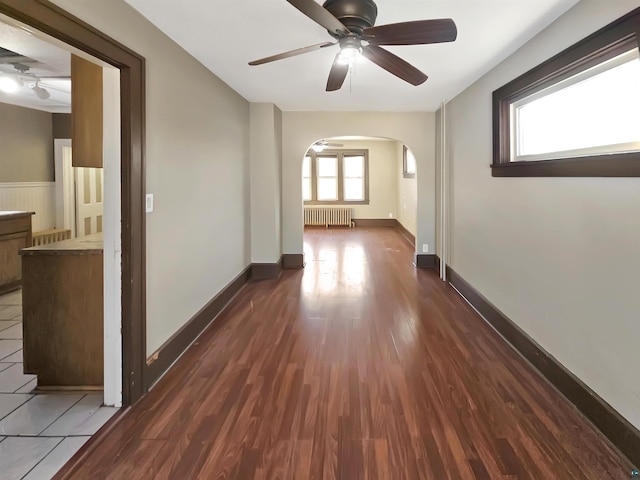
(577, 114)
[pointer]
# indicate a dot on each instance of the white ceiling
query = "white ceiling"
(225, 35)
(52, 61)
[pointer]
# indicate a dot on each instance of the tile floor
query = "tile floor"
(38, 433)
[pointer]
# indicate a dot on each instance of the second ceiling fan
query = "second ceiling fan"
(351, 23)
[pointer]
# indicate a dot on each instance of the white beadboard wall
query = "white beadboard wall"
(36, 197)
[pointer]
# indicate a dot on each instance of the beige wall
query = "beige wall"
(559, 256)
(301, 129)
(61, 125)
(407, 193)
(266, 148)
(197, 166)
(26, 143)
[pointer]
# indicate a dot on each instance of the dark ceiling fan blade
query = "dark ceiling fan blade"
(419, 32)
(337, 75)
(320, 15)
(291, 53)
(394, 64)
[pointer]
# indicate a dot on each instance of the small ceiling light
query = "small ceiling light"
(348, 54)
(40, 92)
(350, 48)
(9, 84)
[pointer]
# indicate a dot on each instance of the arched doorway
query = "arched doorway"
(372, 178)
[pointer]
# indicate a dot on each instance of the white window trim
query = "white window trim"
(629, 147)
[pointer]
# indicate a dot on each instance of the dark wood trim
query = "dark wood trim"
(608, 42)
(424, 260)
(293, 260)
(69, 469)
(437, 267)
(10, 287)
(406, 233)
(56, 22)
(376, 222)
(162, 359)
(265, 271)
(615, 427)
(614, 165)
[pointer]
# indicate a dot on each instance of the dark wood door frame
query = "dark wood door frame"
(52, 20)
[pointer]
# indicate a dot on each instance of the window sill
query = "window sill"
(338, 202)
(618, 165)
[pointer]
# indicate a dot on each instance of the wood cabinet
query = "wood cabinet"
(62, 309)
(86, 113)
(15, 234)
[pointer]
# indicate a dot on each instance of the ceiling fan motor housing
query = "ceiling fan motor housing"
(356, 15)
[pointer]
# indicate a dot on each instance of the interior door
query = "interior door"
(89, 202)
(65, 186)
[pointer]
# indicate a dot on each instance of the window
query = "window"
(353, 174)
(408, 163)
(575, 114)
(327, 178)
(335, 176)
(306, 178)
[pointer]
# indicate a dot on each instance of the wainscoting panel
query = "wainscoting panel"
(36, 197)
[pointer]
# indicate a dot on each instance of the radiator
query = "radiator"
(45, 237)
(328, 216)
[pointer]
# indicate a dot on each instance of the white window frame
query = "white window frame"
(606, 65)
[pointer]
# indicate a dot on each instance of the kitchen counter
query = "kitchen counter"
(15, 233)
(62, 303)
(91, 244)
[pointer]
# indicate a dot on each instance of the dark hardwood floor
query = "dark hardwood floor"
(357, 367)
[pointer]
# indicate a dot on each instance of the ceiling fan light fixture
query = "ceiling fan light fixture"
(349, 54)
(9, 84)
(350, 49)
(40, 92)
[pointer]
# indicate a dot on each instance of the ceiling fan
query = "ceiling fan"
(10, 82)
(320, 145)
(351, 23)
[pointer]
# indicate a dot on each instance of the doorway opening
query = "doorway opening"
(360, 181)
(47, 19)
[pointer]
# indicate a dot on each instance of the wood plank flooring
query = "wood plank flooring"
(359, 366)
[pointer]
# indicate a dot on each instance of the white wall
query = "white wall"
(197, 167)
(407, 193)
(559, 256)
(301, 129)
(38, 197)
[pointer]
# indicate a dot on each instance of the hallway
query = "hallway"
(357, 366)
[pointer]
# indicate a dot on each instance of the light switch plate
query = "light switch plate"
(149, 202)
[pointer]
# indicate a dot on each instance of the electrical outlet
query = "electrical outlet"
(425, 248)
(390, 215)
(149, 202)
